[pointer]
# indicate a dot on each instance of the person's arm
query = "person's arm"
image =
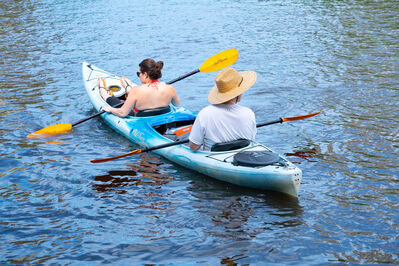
(254, 128)
(126, 107)
(127, 84)
(196, 134)
(194, 146)
(175, 98)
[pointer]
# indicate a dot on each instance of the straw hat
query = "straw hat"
(230, 84)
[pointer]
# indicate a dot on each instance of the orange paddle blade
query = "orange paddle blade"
(51, 130)
(294, 118)
(115, 157)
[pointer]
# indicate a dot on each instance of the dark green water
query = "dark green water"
(337, 56)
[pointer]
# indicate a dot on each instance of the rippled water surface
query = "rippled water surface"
(338, 56)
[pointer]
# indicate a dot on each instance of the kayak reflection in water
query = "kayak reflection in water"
(224, 120)
(152, 94)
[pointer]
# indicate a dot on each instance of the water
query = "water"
(337, 56)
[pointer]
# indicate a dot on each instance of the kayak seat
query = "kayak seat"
(153, 112)
(255, 158)
(230, 145)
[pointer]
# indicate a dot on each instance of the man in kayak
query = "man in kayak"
(152, 94)
(225, 120)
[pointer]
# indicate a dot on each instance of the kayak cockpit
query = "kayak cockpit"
(176, 130)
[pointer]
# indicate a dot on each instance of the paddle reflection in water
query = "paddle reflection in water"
(144, 172)
(310, 153)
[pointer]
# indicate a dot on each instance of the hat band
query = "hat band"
(242, 78)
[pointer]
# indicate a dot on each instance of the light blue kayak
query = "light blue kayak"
(280, 175)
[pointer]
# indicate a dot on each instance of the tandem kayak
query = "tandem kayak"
(239, 165)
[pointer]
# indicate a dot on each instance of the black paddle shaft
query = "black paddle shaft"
(184, 76)
(166, 145)
(270, 123)
(99, 113)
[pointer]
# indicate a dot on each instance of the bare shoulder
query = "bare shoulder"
(167, 86)
(138, 88)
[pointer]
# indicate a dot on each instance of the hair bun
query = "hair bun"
(152, 68)
(159, 65)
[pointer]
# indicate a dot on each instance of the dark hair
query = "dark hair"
(152, 68)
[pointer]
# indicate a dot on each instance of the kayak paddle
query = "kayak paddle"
(293, 118)
(213, 63)
(281, 120)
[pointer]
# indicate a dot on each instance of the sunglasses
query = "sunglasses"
(138, 74)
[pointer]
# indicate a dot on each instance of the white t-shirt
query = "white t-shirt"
(222, 123)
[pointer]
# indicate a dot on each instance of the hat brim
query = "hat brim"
(216, 97)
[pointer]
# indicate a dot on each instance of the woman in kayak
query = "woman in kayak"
(225, 120)
(152, 94)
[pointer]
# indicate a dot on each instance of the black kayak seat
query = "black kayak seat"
(154, 111)
(230, 145)
(255, 158)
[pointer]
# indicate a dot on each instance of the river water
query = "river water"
(338, 56)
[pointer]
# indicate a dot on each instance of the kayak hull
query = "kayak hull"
(284, 177)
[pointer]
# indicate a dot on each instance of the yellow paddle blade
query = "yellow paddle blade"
(51, 130)
(294, 118)
(219, 61)
(115, 157)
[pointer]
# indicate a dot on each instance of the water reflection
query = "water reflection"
(233, 260)
(144, 172)
(233, 209)
(308, 153)
(216, 210)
